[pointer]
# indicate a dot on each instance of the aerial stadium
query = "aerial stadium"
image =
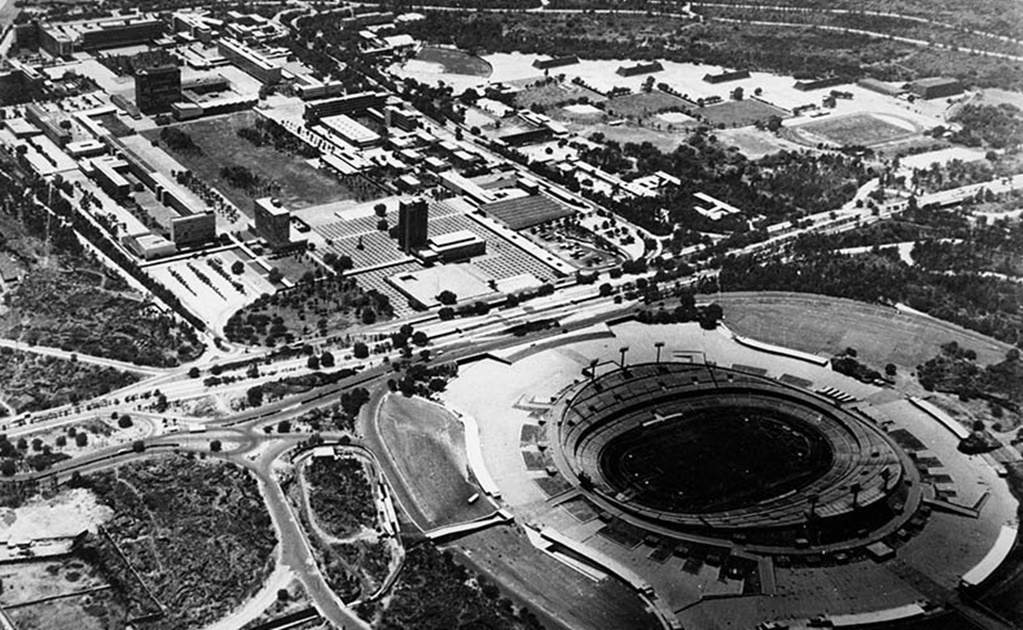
(703, 449)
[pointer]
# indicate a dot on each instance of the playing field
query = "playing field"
(301, 185)
(856, 130)
(454, 61)
(825, 326)
(643, 103)
(427, 445)
(739, 113)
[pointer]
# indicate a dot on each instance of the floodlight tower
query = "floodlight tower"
(658, 345)
(623, 350)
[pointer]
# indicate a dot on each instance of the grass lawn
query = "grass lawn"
(427, 445)
(554, 94)
(643, 103)
(455, 61)
(824, 325)
(739, 113)
(301, 184)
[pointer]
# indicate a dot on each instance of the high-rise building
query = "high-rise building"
(273, 222)
(412, 224)
(157, 88)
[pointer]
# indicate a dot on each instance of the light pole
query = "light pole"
(593, 369)
(623, 350)
(658, 345)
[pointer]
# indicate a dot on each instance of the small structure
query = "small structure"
(722, 77)
(639, 68)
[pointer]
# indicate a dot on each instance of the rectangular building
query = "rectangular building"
(413, 219)
(273, 222)
(350, 130)
(457, 245)
(344, 104)
(157, 88)
(936, 87)
(250, 61)
(195, 229)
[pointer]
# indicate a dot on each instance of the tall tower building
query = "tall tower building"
(157, 88)
(273, 222)
(412, 224)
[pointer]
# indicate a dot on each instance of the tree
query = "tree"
(193, 372)
(382, 225)
(238, 268)
(124, 421)
(138, 446)
(890, 369)
(1012, 355)
(284, 426)
(8, 467)
(81, 439)
(737, 94)
(215, 446)
(606, 289)
(254, 396)
(420, 338)
(446, 313)
(360, 350)
(380, 209)
(327, 359)
(313, 363)
(447, 297)
(275, 275)
(283, 595)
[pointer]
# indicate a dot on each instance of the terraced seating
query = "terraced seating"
(624, 401)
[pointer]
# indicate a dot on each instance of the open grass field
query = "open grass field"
(753, 143)
(555, 94)
(301, 185)
(856, 129)
(825, 326)
(27, 582)
(427, 445)
(642, 103)
(739, 113)
(546, 584)
(94, 611)
(454, 61)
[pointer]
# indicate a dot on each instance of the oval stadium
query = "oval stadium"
(704, 449)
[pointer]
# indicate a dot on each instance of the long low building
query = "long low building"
(350, 130)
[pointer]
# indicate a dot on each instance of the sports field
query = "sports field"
(643, 103)
(825, 326)
(739, 113)
(427, 445)
(856, 130)
(454, 61)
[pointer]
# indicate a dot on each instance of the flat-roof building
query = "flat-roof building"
(62, 39)
(194, 229)
(936, 87)
(249, 60)
(350, 130)
(344, 104)
(457, 245)
(273, 222)
(157, 88)
(413, 219)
